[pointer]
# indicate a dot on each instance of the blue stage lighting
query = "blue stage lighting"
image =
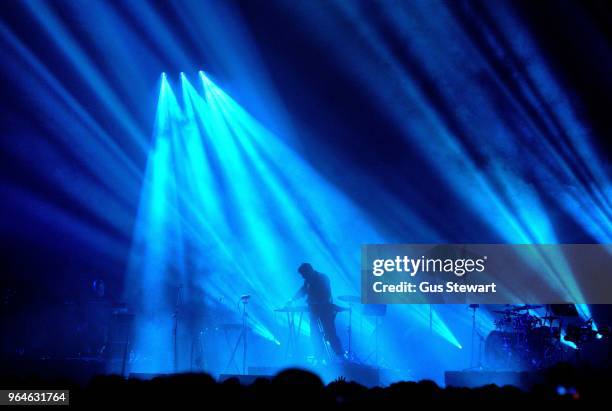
(220, 184)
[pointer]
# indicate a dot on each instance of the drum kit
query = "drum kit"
(523, 340)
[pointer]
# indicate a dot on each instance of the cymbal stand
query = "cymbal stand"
(475, 358)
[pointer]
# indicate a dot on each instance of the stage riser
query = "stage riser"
(471, 379)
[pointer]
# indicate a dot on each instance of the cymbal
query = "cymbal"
(511, 313)
(505, 312)
(350, 298)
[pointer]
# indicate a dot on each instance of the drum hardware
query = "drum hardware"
(581, 334)
(550, 318)
(525, 307)
(475, 359)
(521, 339)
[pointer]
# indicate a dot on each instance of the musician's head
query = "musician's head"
(306, 270)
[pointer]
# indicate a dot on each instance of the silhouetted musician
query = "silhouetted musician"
(318, 295)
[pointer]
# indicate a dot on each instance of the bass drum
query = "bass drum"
(522, 351)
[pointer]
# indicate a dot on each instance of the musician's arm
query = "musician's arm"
(301, 293)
